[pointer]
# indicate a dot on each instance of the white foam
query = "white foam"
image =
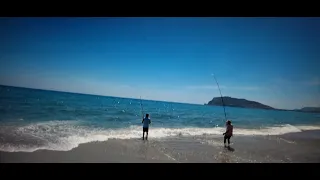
(66, 135)
(305, 128)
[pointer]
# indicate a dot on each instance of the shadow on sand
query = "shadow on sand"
(230, 148)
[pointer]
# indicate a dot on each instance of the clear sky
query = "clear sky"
(275, 61)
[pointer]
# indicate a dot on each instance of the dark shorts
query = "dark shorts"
(145, 129)
(226, 138)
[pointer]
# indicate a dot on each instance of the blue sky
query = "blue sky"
(274, 61)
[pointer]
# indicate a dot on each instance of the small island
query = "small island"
(235, 102)
(243, 103)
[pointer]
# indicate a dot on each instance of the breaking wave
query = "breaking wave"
(66, 135)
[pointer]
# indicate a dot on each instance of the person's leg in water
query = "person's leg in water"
(224, 140)
(147, 134)
(143, 134)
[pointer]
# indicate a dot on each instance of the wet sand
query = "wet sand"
(301, 147)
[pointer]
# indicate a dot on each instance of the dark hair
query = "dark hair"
(229, 122)
(147, 115)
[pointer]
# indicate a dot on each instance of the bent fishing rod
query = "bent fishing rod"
(225, 115)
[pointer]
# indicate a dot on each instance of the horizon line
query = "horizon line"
(61, 91)
(202, 104)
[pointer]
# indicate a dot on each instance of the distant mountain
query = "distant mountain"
(243, 103)
(235, 102)
(310, 109)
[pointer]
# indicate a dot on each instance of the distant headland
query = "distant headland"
(243, 103)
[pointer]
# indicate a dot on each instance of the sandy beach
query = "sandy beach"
(301, 147)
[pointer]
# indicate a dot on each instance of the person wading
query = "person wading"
(228, 133)
(146, 121)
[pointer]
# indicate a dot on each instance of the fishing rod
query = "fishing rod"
(141, 107)
(225, 115)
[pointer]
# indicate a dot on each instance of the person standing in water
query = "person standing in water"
(228, 133)
(146, 121)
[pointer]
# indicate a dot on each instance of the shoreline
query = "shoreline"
(292, 147)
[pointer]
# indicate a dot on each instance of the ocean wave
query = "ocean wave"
(66, 135)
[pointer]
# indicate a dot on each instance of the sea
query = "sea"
(32, 119)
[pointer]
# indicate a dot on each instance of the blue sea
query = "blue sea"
(33, 119)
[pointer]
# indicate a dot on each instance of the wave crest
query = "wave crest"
(66, 135)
